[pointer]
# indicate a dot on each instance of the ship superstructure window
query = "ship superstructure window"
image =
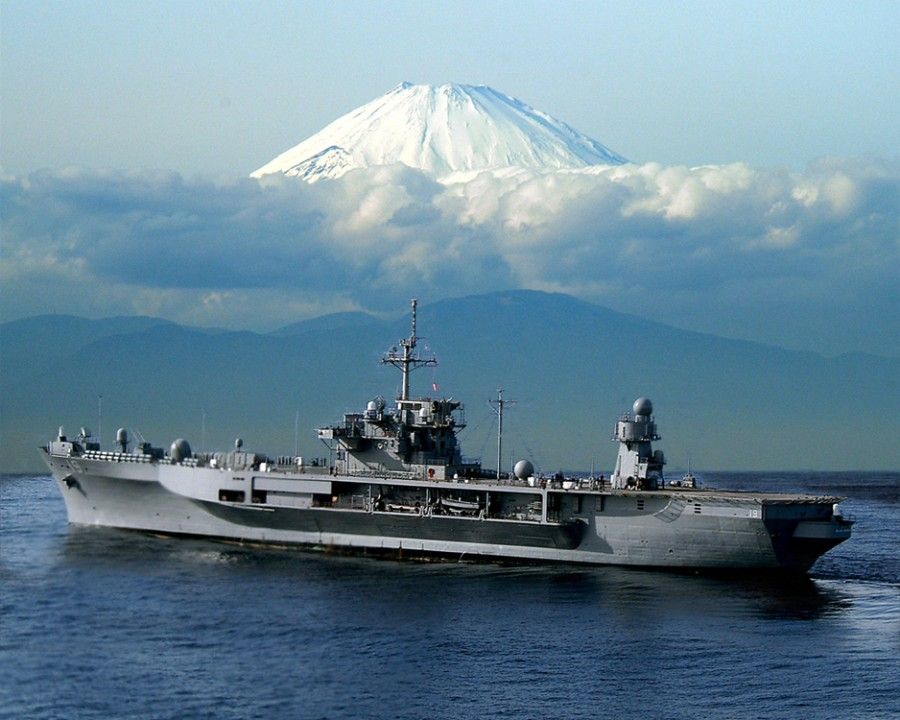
(236, 496)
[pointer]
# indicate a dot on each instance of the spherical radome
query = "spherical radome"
(523, 469)
(643, 406)
(180, 450)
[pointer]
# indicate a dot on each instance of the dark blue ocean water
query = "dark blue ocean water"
(107, 624)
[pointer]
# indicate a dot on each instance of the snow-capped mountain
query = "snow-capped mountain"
(441, 130)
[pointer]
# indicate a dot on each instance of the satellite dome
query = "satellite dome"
(523, 469)
(643, 406)
(180, 450)
(371, 406)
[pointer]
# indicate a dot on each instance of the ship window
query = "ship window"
(697, 508)
(232, 495)
(259, 496)
(321, 500)
(640, 504)
(239, 479)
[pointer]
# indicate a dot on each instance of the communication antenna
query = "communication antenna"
(297, 433)
(99, 418)
(203, 432)
(407, 361)
(498, 406)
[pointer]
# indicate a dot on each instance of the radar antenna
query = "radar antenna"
(407, 361)
(497, 406)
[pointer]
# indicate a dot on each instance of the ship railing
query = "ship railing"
(559, 483)
(107, 456)
(399, 474)
(186, 462)
(539, 482)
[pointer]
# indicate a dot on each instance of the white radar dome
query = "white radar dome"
(643, 406)
(180, 450)
(523, 469)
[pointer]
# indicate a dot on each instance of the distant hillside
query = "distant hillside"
(327, 323)
(573, 368)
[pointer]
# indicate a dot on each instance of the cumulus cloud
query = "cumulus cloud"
(800, 258)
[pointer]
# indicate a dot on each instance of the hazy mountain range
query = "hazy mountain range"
(573, 367)
(441, 130)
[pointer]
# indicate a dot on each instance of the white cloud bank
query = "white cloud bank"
(801, 259)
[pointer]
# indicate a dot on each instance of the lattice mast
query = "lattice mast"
(408, 360)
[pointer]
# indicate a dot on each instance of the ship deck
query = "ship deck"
(573, 485)
(578, 486)
(713, 493)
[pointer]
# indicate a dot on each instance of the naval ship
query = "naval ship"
(395, 482)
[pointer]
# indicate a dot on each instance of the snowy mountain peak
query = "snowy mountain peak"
(441, 130)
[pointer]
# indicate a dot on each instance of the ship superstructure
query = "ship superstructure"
(411, 438)
(395, 481)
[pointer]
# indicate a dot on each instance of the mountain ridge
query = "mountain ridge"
(573, 366)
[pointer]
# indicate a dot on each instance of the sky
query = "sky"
(762, 203)
(223, 87)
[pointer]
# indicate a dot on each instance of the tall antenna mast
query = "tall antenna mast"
(407, 361)
(498, 406)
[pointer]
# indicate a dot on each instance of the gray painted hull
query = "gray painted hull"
(648, 529)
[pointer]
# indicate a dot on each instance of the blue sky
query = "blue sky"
(223, 87)
(129, 129)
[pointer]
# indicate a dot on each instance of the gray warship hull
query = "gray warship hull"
(584, 522)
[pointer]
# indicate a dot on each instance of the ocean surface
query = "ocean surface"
(98, 623)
